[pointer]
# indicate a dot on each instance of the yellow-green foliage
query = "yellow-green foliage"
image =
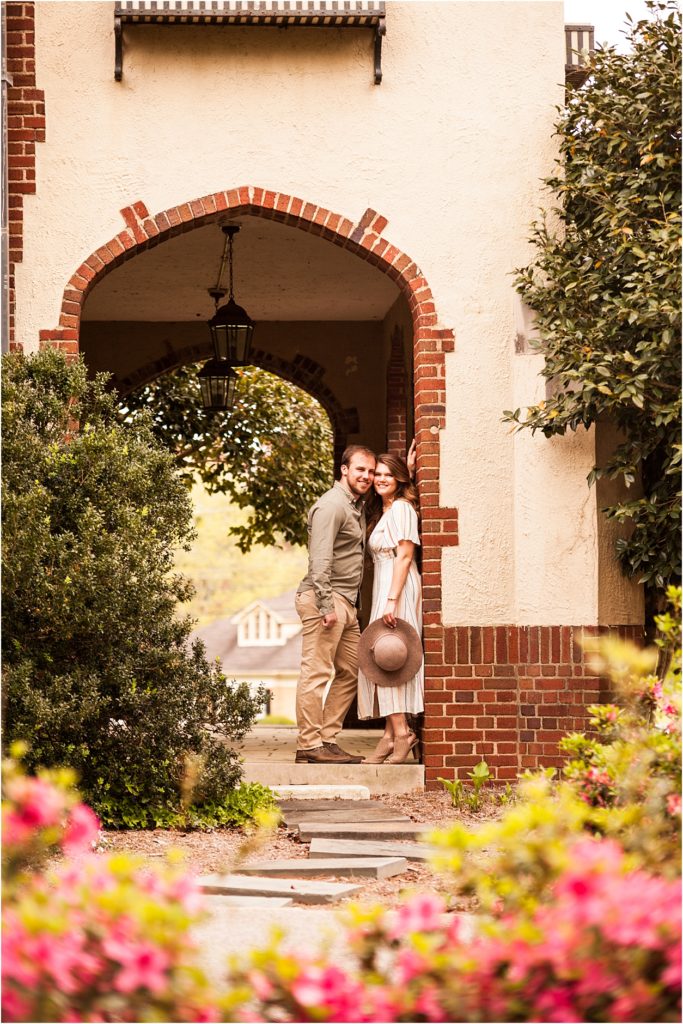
(622, 782)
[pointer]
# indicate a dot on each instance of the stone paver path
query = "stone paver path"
(367, 820)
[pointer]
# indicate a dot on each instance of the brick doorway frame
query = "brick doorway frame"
(430, 344)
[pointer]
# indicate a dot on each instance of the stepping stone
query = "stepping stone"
(319, 793)
(325, 803)
(215, 902)
(370, 867)
(301, 891)
(344, 816)
(321, 848)
(379, 778)
(362, 830)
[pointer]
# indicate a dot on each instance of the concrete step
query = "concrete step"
(363, 830)
(219, 902)
(321, 848)
(320, 793)
(300, 890)
(366, 867)
(377, 778)
(342, 815)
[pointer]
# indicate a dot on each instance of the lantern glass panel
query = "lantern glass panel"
(217, 384)
(231, 331)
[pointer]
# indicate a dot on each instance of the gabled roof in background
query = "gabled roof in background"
(220, 640)
(282, 607)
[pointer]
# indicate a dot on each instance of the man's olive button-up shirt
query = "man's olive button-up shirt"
(336, 548)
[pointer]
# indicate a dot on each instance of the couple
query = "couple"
(328, 600)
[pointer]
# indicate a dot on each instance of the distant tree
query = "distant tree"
(606, 287)
(272, 453)
(98, 670)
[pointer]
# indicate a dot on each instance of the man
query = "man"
(327, 603)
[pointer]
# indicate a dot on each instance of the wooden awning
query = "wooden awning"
(297, 13)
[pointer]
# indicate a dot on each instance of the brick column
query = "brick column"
(25, 127)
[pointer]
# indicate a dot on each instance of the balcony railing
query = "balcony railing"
(578, 38)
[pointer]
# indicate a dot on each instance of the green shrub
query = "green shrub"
(99, 672)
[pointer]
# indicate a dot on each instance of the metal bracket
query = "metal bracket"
(380, 31)
(118, 54)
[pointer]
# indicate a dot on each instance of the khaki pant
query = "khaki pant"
(325, 653)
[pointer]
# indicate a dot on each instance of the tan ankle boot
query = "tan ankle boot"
(381, 752)
(402, 747)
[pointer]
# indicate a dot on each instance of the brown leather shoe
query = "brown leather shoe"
(321, 755)
(336, 749)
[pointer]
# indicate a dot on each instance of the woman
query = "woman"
(393, 527)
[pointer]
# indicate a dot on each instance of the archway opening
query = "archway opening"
(326, 322)
(411, 321)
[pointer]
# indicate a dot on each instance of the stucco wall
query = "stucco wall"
(450, 148)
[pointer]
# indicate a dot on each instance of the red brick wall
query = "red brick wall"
(506, 694)
(25, 127)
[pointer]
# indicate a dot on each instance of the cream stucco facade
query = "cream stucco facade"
(450, 149)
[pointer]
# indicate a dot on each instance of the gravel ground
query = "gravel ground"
(220, 849)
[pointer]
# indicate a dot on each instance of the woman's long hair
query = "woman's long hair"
(406, 489)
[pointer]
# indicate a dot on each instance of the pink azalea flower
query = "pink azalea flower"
(423, 913)
(14, 1005)
(673, 804)
(143, 966)
(428, 1004)
(557, 1005)
(262, 986)
(409, 965)
(331, 990)
(82, 830)
(38, 804)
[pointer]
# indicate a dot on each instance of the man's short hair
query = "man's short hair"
(356, 449)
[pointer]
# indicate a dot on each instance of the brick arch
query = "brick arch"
(430, 344)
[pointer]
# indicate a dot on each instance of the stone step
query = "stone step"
(377, 778)
(318, 805)
(367, 867)
(215, 902)
(315, 794)
(343, 815)
(300, 890)
(322, 848)
(363, 830)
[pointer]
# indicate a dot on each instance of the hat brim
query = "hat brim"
(368, 665)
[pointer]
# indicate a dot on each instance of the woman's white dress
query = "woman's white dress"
(398, 523)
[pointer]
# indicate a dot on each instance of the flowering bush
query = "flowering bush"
(577, 886)
(632, 761)
(94, 938)
(606, 947)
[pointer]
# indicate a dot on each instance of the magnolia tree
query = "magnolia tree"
(271, 453)
(605, 284)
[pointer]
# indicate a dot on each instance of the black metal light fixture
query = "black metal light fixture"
(217, 381)
(231, 327)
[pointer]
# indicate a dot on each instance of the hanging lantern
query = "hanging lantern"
(231, 328)
(217, 381)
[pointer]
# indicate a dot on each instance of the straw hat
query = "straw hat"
(389, 657)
